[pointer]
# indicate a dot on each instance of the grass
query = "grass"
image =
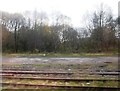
(64, 83)
(59, 54)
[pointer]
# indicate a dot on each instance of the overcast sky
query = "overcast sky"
(75, 9)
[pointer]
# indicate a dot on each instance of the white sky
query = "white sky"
(75, 9)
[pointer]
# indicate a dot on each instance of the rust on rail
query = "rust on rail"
(65, 79)
(35, 72)
(69, 73)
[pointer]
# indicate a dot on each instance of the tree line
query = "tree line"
(21, 33)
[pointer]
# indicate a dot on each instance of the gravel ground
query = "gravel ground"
(62, 63)
(62, 60)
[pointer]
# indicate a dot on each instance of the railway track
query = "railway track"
(62, 73)
(34, 72)
(85, 88)
(58, 79)
(9, 75)
(57, 86)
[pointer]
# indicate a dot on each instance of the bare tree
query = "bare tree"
(16, 22)
(102, 28)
